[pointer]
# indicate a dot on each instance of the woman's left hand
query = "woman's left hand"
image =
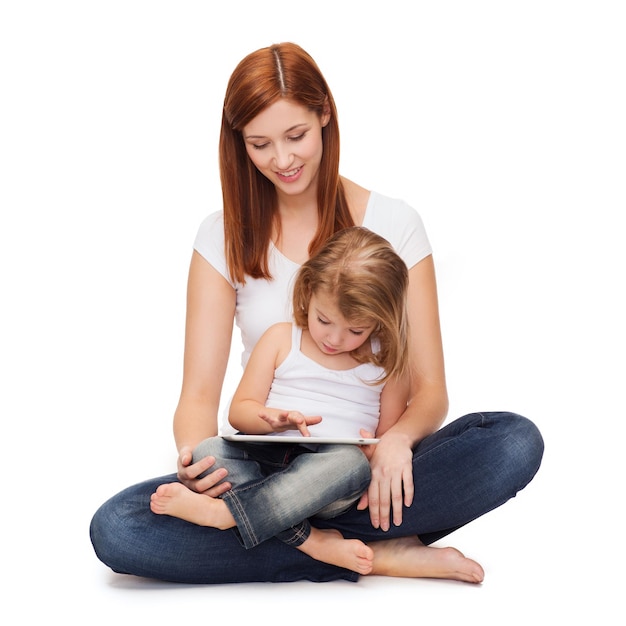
(391, 486)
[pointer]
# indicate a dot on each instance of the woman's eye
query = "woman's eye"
(297, 138)
(259, 146)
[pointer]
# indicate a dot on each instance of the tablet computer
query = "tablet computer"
(359, 441)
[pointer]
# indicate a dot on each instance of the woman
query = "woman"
(283, 197)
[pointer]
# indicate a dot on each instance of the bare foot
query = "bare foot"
(176, 500)
(409, 557)
(329, 546)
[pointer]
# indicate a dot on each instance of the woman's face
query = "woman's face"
(285, 144)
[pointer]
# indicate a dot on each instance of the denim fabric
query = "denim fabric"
(276, 487)
(461, 472)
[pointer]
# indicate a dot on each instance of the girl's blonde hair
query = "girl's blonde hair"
(368, 281)
(250, 208)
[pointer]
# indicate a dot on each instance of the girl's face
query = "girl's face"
(331, 331)
(285, 144)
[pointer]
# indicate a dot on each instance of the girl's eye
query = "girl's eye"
(321, 321)
(358, 333)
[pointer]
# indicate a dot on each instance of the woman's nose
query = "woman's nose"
(283, 158)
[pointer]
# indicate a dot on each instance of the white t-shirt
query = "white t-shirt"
(261, 303)
(343, 398)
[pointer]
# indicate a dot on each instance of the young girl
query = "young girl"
(340, 370)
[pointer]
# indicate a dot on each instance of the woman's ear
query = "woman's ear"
(325, 118)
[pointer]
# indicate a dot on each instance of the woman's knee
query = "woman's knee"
(530, 442)
(522, 443)
(104, 532)
(116, 525)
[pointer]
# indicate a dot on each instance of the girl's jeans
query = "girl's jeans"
(464, 470)
(277, 486)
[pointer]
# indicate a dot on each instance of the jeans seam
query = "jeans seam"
(247, 534)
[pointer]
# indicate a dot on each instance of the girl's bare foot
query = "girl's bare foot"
(176, 500)
(329, 546)
(409, 557)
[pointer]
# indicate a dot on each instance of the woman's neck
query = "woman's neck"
(297, 228)
(297, 203)
(298, 222)
(299, 219)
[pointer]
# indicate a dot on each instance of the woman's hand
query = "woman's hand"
(188, 473)
(369, 448)
(280, 421)
(391, 486)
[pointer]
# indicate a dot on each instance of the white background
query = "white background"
(501, 122)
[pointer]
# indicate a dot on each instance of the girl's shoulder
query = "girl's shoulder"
(279, 338)
(279, 334)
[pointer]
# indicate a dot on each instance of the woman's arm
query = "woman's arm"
(428, 404)
(393, 402)
(392, 473)
(208, 334)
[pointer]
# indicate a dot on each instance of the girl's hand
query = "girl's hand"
(391, 486)
(280, 421)
(188, 473)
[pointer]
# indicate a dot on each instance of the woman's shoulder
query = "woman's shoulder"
(381, 207)
(400, 224)
(213, 222)
(209, 242)
(358, 198)
(210, 234)
(371, 207)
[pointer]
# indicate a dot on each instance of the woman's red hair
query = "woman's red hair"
(279, 71)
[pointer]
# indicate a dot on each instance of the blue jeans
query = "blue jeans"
(276, 487)
(469, 467)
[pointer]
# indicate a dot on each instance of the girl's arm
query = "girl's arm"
(248, 403)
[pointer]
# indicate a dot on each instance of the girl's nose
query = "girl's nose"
(334, 339)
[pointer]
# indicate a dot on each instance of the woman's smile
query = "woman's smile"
(290, 176)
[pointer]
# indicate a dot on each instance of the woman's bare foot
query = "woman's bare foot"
(329, 546)
(178, 501)
(409, 557)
